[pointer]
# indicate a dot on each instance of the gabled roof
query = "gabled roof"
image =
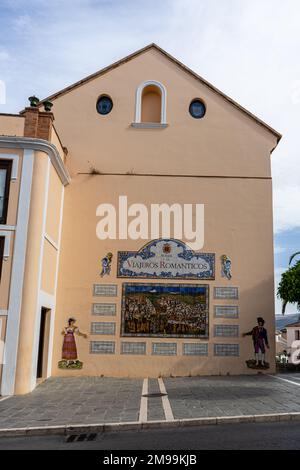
(293, 325)
(177, 62)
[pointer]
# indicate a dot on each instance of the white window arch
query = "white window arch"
(138, 100)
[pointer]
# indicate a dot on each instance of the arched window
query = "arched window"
(150, 103)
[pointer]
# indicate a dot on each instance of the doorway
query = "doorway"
(2, 240)
(42, 364)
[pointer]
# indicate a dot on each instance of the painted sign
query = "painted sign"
(166, 259)
(165, 310)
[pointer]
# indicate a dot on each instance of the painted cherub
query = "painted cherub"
(106, 264)
(226, 267)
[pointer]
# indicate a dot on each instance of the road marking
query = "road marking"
(144, 403)
(165, 401)
(294, 378)
(284, 380)
(4, 398)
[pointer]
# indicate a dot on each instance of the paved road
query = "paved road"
(261, 436)
(95, 400)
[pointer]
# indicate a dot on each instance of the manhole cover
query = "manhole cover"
(154, 395)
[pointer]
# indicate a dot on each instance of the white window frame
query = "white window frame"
(7, 238)
(15, 164)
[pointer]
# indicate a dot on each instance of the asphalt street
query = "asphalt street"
(262, 436)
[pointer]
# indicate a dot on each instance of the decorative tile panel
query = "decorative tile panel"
(104, 309)
(226, 293)
(133, 348)
(166, 258)
(102, 347)
(226, 350)
(164, 349)
(185, 310)
(195, 349)
(226, 330)
(226, 311)
(105, 290)
(103, 328)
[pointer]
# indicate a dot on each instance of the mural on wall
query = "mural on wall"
(166, 259)
(106, 264)
(69, 349)
(226, 267)
(260, 342)
(165, 310)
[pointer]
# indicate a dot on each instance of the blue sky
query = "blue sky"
(249, 50)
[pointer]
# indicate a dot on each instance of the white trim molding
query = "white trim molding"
(7, 236)
(46, 300)
(17, 276)
(39, 304)
(10, 228)
(15, 163)
(53, 312)
(148, 125)
(3, 313)
(138, 101)
(39, 145)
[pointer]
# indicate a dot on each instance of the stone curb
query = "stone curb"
(64, 430)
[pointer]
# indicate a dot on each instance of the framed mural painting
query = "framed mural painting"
(165, 310)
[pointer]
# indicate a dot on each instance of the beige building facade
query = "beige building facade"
(150, 129)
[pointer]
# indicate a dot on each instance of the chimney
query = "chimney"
(31, 121)
(38, 124)
(44, 128)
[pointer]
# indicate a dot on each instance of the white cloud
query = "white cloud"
(278, 249)
(286, 208)
(4, 55)
(22, 23)
(249, 50)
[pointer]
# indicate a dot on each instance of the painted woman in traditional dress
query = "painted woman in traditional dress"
(69, 349)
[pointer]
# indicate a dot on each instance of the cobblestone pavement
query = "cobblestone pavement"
(96, 400)
(74, 400)
(232, 396)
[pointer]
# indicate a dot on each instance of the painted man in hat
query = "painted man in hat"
(260, 340)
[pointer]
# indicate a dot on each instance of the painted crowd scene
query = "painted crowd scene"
(169, 310)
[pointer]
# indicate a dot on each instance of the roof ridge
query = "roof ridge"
(176, 61)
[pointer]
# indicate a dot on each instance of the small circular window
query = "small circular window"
(197, 109)
(104, 105)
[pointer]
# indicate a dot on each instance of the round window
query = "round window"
(197, 109)
(104, 105)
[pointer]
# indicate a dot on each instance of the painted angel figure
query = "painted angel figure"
(226, 267)
(106, 264)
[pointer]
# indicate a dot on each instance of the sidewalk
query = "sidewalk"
(88, 401)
